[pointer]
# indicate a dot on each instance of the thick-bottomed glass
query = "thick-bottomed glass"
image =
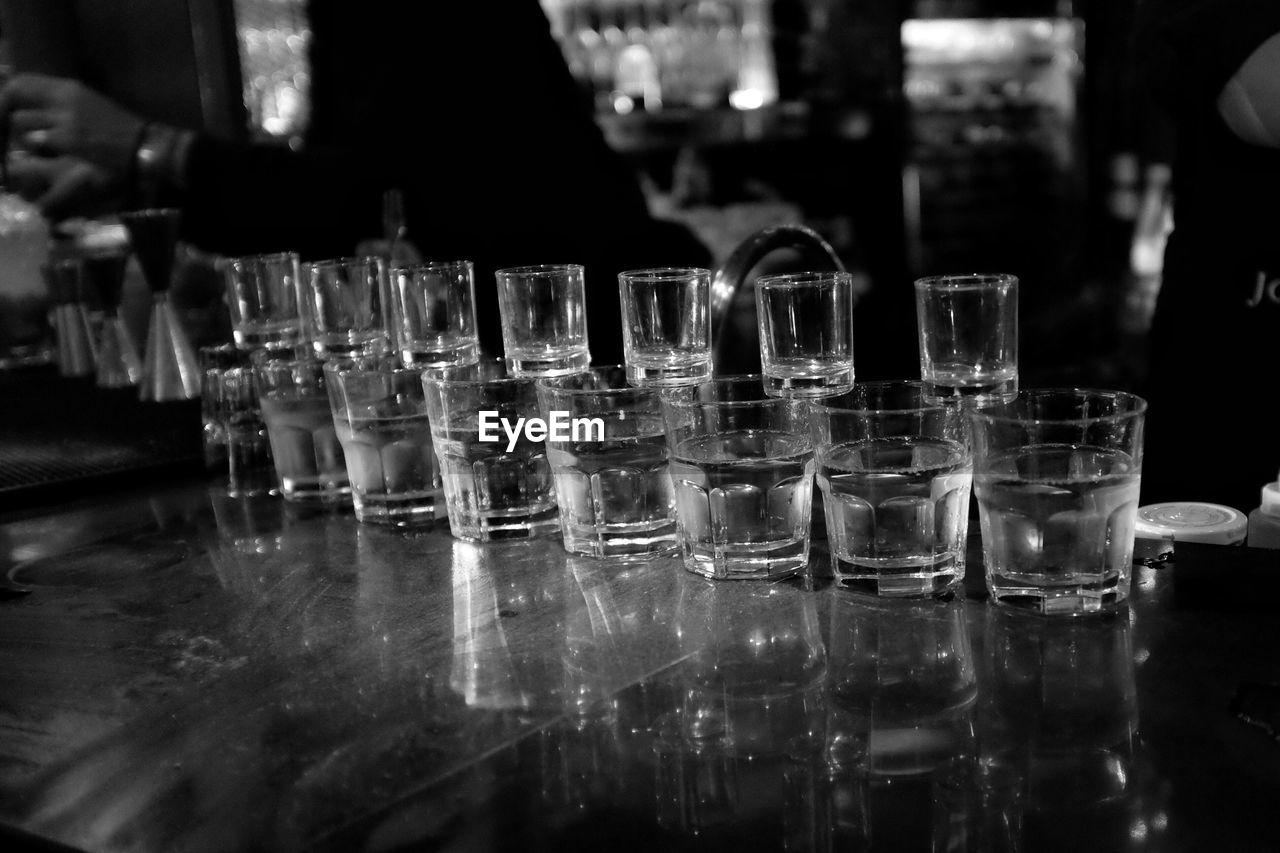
(968, 326)
(343, 305)
(262, 295)
(304, 445)
(666, 327)
(1057, 474)
(806, 333)
(381, 420)
(496, 485)
(895, 472)
(544, 319)
(742, 469)
(612, 482)
(433, 308)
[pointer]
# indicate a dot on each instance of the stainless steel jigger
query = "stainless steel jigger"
(170, 369)
(119, 364)
(77, 354)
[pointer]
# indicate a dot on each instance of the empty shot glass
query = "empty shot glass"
(895, 472)
(608, 454)
(343, 305)
(666, 327)
(544, 319)
(262, 297)
(968, 330)
(250, 469)
(304, 445)
(433, 309)
(1057, 475)
(215, 360)
(806, 333)
(496, 478)
(380, 416)
(742, 469)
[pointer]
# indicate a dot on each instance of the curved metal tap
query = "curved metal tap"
(728, 280)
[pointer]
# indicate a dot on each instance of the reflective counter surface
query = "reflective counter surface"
(193, 672)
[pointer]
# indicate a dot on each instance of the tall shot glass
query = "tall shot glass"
(896, 473)
(344, 307)
(262, 297)
(968, 328)
(1057, 475)
(742, 468)
(496, 486)
(544, 319)
(304, 446)
(666, 326)
(381, 420)
(806, 333)
(610, 464)
(433, 309)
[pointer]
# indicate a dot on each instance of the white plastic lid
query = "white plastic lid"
(1214, 524)
(1271, 499)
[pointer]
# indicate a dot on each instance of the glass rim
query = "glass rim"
(734, 378)
(915, 384)
(433, 375)
(553, 383)
(1004, 413)
(800, 280)
(387, 367)
(538, 269)
(963, 281)
(432, 266)
(345, 261)
(663, 274)
(258, 258)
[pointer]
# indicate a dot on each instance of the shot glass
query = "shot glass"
(214, 362)
(497, 481)
(608, 454)
(1057, 474)
(544, 320)
(262, 297)
(380, 418)
(895, 472)
(666, 327)
(968, 326)
(806, 333)
(344, 307)
(304, 446)
(742, 469)
(433, 309)
(235, 435)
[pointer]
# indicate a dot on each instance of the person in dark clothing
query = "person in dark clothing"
(1211, 433)
(470, 113)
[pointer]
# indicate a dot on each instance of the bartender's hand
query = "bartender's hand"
(56, 117)
(63, 187)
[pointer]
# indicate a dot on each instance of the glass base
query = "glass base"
(308, 491)
(976, 395)
(512, 524)
(671, 376)
(413, 510)
(934, 580)
(532, 367)
(462, 356)
(747, 562)
(621, 541)
(1067, 600)
(808, 386)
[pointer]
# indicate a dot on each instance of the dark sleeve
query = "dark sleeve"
(1190, 49)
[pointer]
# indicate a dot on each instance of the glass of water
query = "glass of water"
(742, 469)
(609, 463)
(968, 327)
(896, 473)
(806, 333)
(497, 480)
(433, 307)
(544, 319)
(304, 446)
(666, 326)
(1057, 474)
(344, 307)
(262, 295)
(380, 416)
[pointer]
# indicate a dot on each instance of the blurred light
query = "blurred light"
(747, 99)
(622, 104)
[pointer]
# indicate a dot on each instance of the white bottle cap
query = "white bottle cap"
(1214, 524)
(1271, 499)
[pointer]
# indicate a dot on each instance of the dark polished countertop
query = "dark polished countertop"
(193, 672)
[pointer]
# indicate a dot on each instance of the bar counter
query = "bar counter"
(192, 672)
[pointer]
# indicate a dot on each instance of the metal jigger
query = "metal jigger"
(76, 352)
(119, 365)
(170, 370)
